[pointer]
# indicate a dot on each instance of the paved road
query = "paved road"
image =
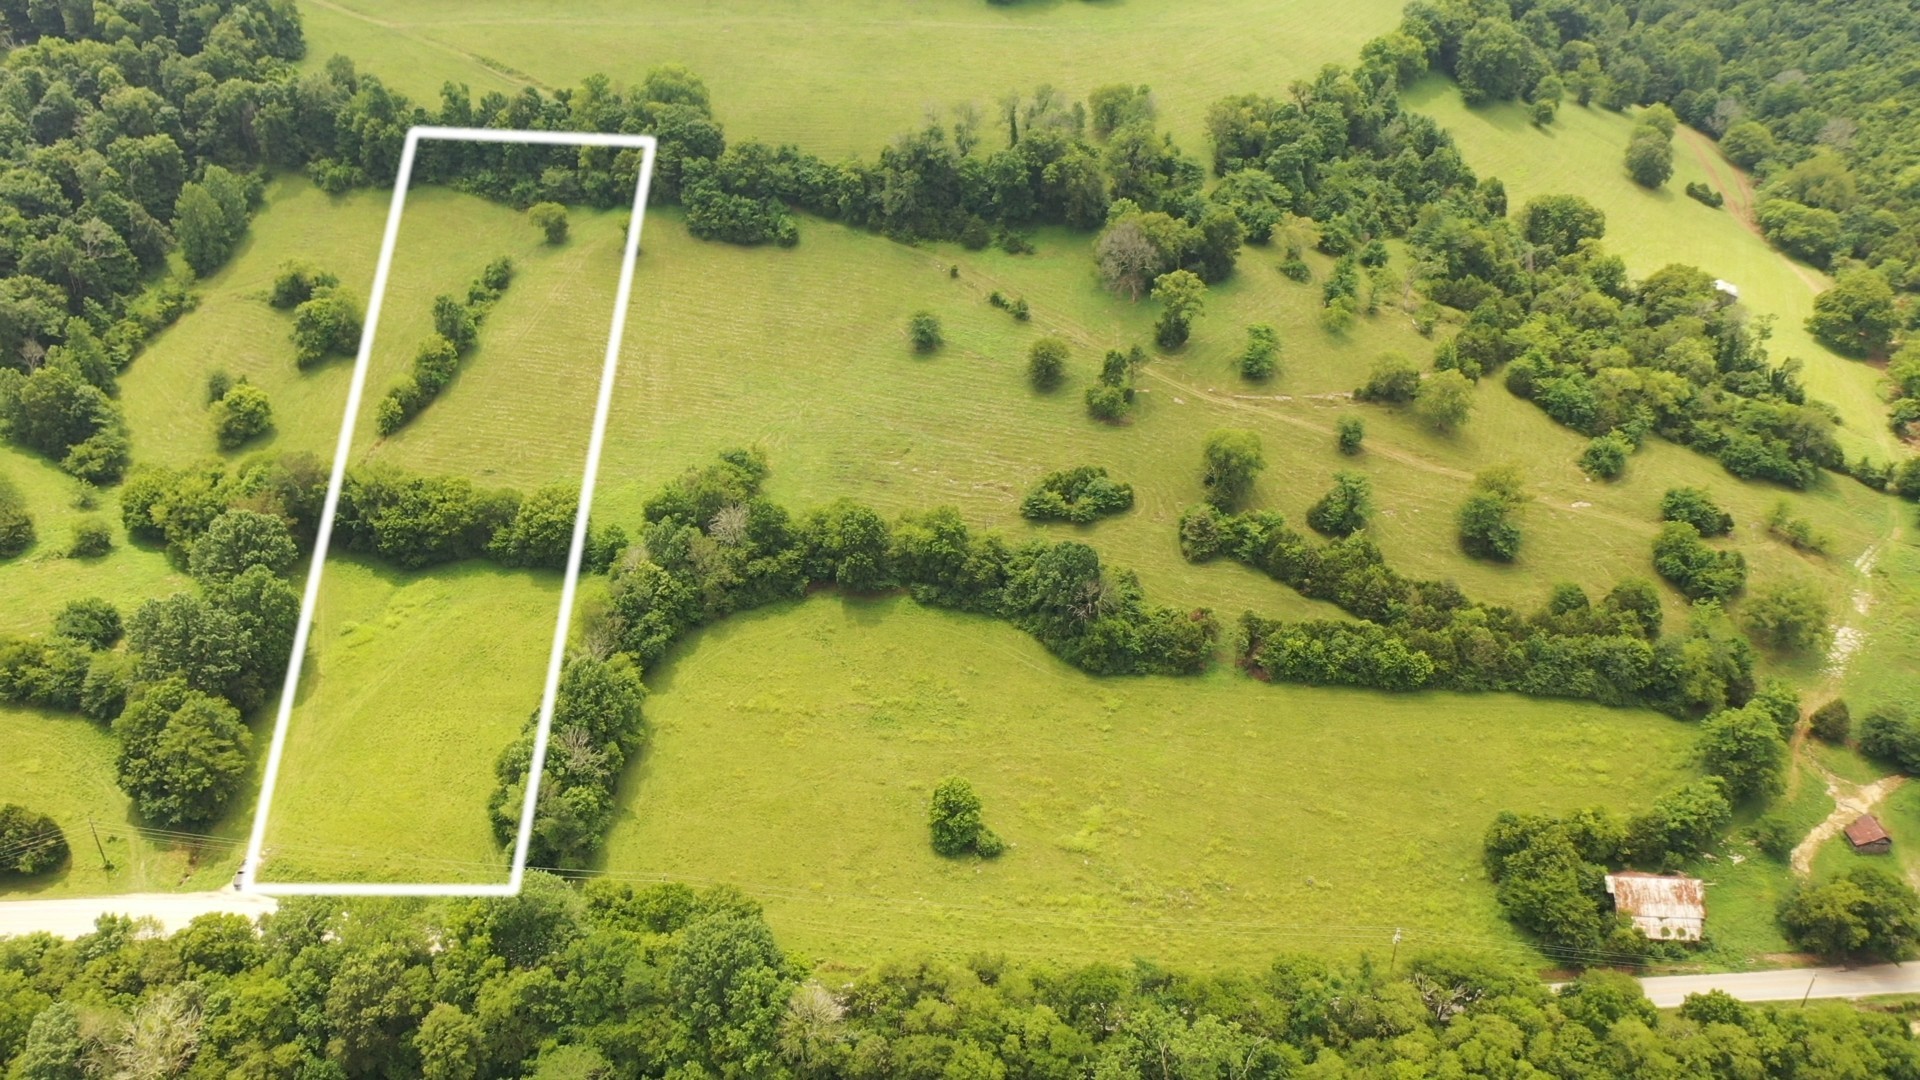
(1790, 984)
(74, 917)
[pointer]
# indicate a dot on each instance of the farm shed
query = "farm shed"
(1666, 907)
(1868, 836)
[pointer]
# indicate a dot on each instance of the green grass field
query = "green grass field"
(1201, 820)
(1204, 820)
(843, 77)
(413, 685)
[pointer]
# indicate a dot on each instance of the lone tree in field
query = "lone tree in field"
(1232, 461)
(954, 815)
(551, 219)
(1262, 353)
(1650, 156)
(1047, 363)
(241, 415)
(1348, 433)
(1487, 528)
(16, 525)
(924, 331)
(1181, 295)
(1344, 509)
(1444, 401)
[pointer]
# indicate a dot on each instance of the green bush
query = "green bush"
(954, 816)
(1078, 495)
(326, 325)
(16, 525)
(1832, 722)
(1697, 508)
(1697, 570)
(1605, 458)
(1047, 363)
(923, 330)
(93, 622)
(91, 539)
(1344, 509)
(1260, 358)
(242, 415)
(1348, 433)
(30, 843)
(551, 219)
(296, 283)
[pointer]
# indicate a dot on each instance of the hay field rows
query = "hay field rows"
(842, 77)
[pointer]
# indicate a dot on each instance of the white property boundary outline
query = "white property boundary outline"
(250, 868)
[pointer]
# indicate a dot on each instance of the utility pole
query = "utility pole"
(1809, 993)
(105, 863)
(1394, 961)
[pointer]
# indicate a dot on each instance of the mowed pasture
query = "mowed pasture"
(413, 685)
(843, 77)
(1582, 153)
(804, 353)
(1207, 820)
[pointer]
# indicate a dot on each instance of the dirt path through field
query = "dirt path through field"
(1738, 188)
(1850, 800)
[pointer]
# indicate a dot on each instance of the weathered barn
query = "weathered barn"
(1666, 907)
(1868, 836)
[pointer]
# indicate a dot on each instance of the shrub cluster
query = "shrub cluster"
(1261, 358)
(241, 415)
(1486, 520)
(1079, 495)
(325, 324)
(1345, 508)
(1047, 363)
(1698, 570)
(1016, 306)
(1697, 508)
(297, 282)
(456, 332)
(1110, 398)
(1891, 734)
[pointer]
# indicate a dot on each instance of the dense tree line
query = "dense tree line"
(661, 980)
(1412, 635)
(597, 729)
(714, 545)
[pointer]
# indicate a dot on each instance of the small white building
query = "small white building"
(1665, 907)
(1731, 290)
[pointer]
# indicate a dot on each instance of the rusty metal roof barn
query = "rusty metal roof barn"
(1866, 831)
(1666, 907)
